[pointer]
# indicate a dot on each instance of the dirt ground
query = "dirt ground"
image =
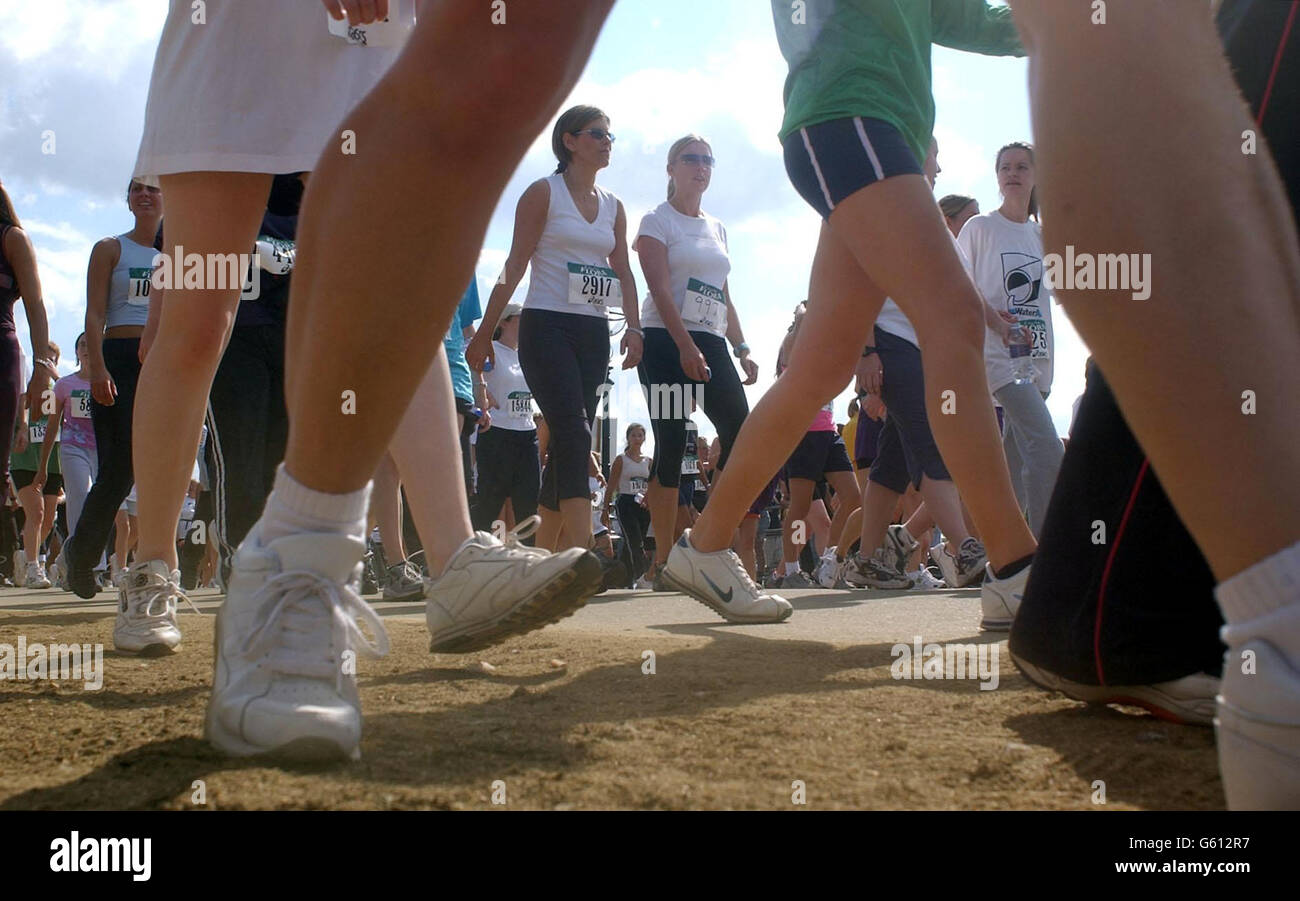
(566, 719)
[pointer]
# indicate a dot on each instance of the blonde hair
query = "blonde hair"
(678, 146)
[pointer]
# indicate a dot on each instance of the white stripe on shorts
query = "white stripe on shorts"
(871, 151)
(807, 145)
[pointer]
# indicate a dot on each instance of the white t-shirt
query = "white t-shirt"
(892, 319)
(258, 87)
(634, 477)
(1005, 260)
(514, 409)
(698, 266)
(570, 267)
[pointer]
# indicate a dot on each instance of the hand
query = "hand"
(870, 374)
(631, 347)
(491, 401)
(1004, 325)
(479, 350)
(693, 363)
(36, 388)
(750, 369)
(359, 12)
(874, 407)
(484, 422)
(39, 481)
(102, 387)
(604, 518)
(20, 440)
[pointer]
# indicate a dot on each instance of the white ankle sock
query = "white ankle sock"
(293, 508)
(1264, 601)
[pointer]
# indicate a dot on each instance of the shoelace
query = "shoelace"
(142, 605)
(291, 626)
(514, 540)
(742, 574)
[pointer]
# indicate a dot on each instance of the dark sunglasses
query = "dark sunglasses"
(698, 159)
(598, 133)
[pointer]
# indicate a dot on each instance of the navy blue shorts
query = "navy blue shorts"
(866, 440)
(817, 454)
(831, 161)
(907, 450)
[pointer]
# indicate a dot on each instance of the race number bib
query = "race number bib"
(520, 403)
(704, 304)
(137, 289)
(37, 432)
(1037, 329)
(690, 466)
(639, 484)
(79, 404)
(594, 285)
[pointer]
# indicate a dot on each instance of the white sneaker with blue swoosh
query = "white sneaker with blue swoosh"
(1000, 599)
(720, 582)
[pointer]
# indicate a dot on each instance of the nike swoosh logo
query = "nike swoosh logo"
(725, 596)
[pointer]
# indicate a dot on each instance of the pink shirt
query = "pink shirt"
(77, 428)
(824, 421)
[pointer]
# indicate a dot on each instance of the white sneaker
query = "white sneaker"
(898, 547)
(964, 570)
(872, 572)
(922, 578)
(146, 612)
(1188, 700)
(491, 590)
(645, 584)
(719, 581)
(286, 640)
(59, 573)
(1000, 599)
(1258, 726)
(36, 575)
(827, 569)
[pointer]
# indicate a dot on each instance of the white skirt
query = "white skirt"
(258, 87)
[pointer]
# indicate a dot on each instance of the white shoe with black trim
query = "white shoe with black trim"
(720, 582)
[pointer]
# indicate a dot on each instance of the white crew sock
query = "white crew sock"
(1263, 600)
(293, 508)
(791, 568)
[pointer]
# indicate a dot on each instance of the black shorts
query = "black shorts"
(817, 454)
(907, 450)
(830, 161)
(24, 477)
(765, 498)
(866, 440)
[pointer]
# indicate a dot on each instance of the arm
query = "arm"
(615, 474)
(102, 260)
(52, 428)
(631, 345)
(736, 335)
(654, 263)
(975, 26)
(22, 257)
(530, 222)
(969, 250)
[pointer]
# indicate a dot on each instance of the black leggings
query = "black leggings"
(633, 520)
(668, 394)
(565, 359)
(113, 443)
(11, 393)
(507, 468)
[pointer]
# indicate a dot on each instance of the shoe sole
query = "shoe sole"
(1158, 703)
(721, 609)
(563, 596)
(416, 595)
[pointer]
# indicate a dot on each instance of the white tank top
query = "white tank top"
(635, 477)
(514, 409)
(570, 268)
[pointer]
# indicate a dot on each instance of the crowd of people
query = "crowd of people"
(465, 434)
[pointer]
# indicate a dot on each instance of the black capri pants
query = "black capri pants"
(507, 468)
(565, 359)
(669, 394)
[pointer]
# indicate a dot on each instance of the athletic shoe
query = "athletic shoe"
(870, 572)
(492, 590)
(1189, 700)
(898, 548)
(1000, 599)
(966, 569)
(720, 582)
(1258, 723)
(403, 583)
(826, 569)
(146, 613)
(645, 584)
(922, 579)
(613, 573)
(58, 573)
(36, 576)
(287, 637)
(797, 579)
(81, 581)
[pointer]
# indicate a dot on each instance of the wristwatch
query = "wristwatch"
(868, 351)
(741, 349)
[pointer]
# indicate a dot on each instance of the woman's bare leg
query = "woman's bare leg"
(386, 502)
(796, 521)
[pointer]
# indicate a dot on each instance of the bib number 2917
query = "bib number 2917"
(594, 285)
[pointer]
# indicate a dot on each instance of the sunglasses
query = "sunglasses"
(698, 159)
(597, 133)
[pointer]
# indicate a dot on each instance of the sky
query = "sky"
(661, 69)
